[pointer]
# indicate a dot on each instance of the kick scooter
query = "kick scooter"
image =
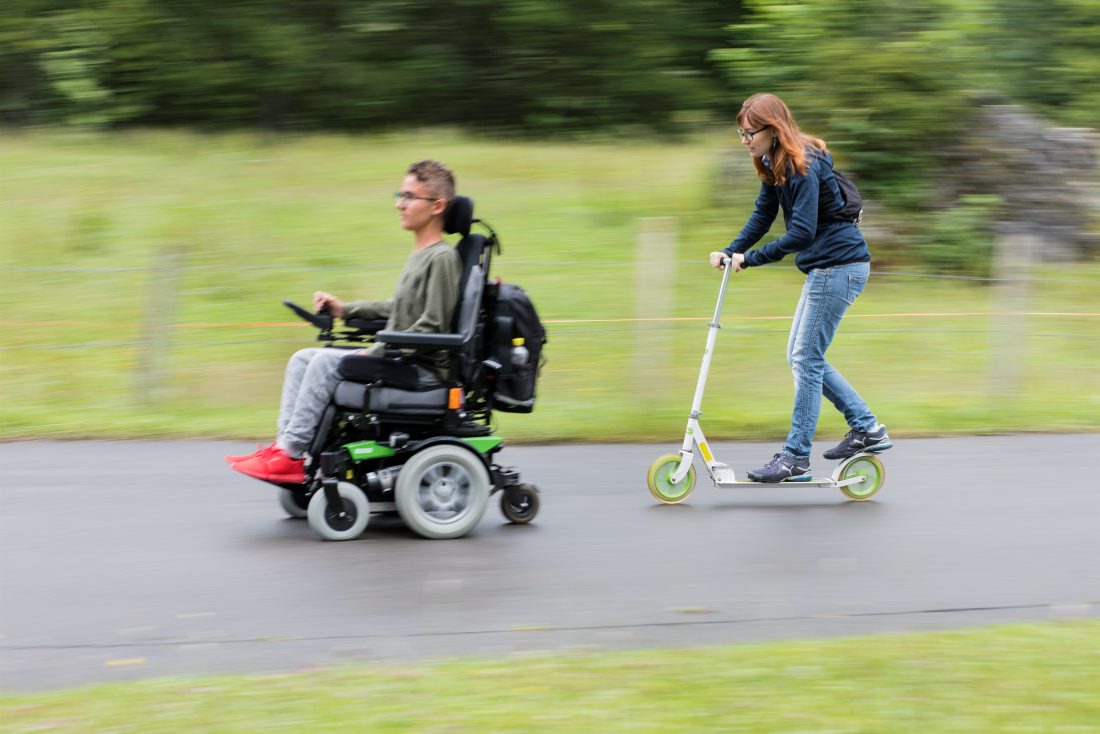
(672, 476)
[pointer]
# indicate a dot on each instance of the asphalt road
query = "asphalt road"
(123, 560)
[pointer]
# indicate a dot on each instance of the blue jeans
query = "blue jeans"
(825, 298)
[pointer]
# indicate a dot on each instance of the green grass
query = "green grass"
(84, 316)
(1021, 678)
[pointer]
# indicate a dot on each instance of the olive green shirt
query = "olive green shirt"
(424, 301)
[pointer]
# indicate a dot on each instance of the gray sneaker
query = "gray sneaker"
(782, 468)
(857, 441)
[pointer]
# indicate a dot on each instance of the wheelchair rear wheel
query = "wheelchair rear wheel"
(442, 491)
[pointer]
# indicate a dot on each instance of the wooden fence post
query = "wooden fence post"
(158, 324)
(655, 296)
(1014, 254)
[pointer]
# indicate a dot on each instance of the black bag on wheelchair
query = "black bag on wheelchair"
(513, 317)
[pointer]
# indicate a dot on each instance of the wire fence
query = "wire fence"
(166, 348)
(625, 264)
(557, 327)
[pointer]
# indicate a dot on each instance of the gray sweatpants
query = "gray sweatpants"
(308, 386)
(310, 381)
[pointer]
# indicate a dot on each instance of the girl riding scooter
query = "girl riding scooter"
(796, 174)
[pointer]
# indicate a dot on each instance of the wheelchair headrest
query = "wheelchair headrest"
(459, 216)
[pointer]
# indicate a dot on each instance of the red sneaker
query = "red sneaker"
(276, 467)
(261, 451)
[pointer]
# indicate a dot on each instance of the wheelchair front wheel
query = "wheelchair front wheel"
(345, 523)
(520, 503)
(442, 491)
(294, 503)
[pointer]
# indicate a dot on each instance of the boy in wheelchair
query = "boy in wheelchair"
(404, 424)
(424, 301)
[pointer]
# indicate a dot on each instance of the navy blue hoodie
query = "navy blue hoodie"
(810, 204)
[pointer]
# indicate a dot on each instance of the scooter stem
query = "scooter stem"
(714, 325)
(694, 431)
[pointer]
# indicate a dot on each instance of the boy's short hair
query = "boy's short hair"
(437, 176)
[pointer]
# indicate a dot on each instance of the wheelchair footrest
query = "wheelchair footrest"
(469, 428)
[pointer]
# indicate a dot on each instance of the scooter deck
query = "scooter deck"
(722, 475)
(809, 481)
(802, 482)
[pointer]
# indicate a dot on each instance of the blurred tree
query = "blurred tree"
(871, 73)
(1043, 56)
(24, 90)
(899, 92)
(895, 88)
(521, 66)
(880, 81)
(532, 66)
(200, 62)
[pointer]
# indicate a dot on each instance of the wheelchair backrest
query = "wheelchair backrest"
(459, 216)
(469, 303)
(474, 250)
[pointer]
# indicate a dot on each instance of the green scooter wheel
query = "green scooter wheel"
(660, 480)
(873, 473)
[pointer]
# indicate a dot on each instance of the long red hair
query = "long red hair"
(789, 152)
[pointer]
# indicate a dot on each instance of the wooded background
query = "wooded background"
(900, 90)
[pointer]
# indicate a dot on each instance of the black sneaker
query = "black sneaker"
(856, 441)
(782, 468)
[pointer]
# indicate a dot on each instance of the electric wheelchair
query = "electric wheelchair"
(428, 454)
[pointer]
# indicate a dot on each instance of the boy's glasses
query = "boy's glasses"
(404, 197)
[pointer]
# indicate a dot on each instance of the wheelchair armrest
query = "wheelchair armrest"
(366, 326)
(420, 339)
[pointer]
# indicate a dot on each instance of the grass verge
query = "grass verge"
(1019, 678)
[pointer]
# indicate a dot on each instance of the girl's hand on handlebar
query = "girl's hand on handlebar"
(719, 260)
(322, 300)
